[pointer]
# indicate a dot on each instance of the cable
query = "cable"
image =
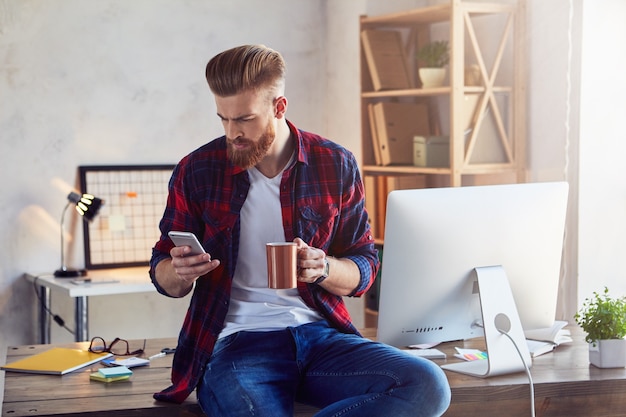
(501, 320)
(530, 379)
(57, 319)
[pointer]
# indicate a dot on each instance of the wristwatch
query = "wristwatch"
(325, 273)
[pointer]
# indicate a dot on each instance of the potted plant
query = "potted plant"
(434, 56)
(603, 318)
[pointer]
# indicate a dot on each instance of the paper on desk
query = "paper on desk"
(470, 354)
(89, 281)
(127, 362)
(131, 362)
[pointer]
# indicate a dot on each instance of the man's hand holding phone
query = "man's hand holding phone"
(189, 259)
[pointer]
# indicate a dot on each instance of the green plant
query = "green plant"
(434, 54)
(602, 317)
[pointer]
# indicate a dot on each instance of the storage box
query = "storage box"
(431, 151)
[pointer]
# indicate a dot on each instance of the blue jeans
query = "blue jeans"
(263, 373)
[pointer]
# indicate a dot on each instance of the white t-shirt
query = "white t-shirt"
(254, 306)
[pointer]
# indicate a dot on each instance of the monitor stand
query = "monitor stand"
(499, 313)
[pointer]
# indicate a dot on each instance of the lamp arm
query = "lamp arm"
(63, 266)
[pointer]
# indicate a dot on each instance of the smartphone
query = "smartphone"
(187, 239)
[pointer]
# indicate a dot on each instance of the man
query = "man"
(249, 350)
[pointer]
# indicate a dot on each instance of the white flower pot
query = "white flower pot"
(432, 77)
(608, 353)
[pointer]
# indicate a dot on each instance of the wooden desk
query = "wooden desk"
(565, 385)
(75, 395)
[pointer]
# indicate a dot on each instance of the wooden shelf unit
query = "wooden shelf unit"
(499, 96)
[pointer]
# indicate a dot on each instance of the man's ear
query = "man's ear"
(280, 107)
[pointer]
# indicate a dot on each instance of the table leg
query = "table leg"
(81, 319)
(44, 317)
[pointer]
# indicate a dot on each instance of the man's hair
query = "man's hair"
(244, 68)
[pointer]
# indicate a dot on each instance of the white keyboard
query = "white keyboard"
(430, 353)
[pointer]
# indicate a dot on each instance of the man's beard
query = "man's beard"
(255, 152)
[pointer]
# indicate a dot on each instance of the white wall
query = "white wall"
(554, 33)
(119, 82)
(602, 202)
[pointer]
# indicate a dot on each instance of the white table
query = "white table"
(127, 281)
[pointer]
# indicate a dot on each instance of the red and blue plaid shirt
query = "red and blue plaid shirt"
(322, 202)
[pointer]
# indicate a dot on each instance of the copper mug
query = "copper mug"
(281, 265)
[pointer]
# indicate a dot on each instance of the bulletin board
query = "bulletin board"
(126, 228)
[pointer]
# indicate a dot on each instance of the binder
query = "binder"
(55, 361)
(374, 134)
(386, 59)
(396, 124)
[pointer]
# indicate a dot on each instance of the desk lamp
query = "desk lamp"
(87, 206)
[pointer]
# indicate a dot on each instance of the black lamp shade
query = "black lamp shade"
(86, 205)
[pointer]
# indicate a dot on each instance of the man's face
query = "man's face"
(248, 120)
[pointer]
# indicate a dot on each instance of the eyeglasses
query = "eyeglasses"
(98, 345)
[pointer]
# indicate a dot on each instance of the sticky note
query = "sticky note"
(115, 371)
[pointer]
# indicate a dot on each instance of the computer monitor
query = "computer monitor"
(434, 238)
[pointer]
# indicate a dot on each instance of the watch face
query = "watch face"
(326, 267)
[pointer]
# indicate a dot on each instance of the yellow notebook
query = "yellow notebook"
(56, 361)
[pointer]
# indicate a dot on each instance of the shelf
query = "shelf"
(412, 92)
(426, 15)
(430, 92)
(485, 122)
(470, 169)
(432, 14)
(402, 169)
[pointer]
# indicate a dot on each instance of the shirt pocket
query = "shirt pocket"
(317, 223)
(218, 231)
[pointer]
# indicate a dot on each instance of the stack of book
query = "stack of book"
(542, 341)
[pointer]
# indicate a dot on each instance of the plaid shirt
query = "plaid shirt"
(322, 202)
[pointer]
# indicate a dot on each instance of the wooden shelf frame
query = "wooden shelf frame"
(461, 16)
